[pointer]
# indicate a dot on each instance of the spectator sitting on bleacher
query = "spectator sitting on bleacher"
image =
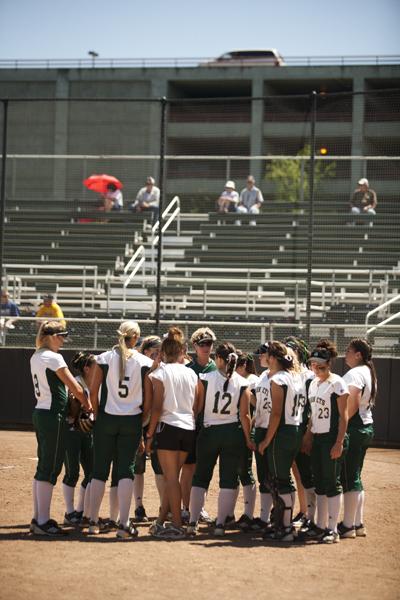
(363, 199)
(50, 309)
(148, 198)
(113, 199)
(251, 198)
(229, 199)
(8, 309)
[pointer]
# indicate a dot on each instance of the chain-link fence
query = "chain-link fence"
(308, 263)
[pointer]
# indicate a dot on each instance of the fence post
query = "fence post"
(3, 188)
(311, 212)
(160, 219)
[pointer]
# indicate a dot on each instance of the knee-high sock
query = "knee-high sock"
(235, 500)
(266, 505)
(322, 511)
(360, 509)
(197, 499)
(81, 499)
(35, 502)
(311, 503)
(86, 504)
(125, 491)
(97, 488)
(226, 504)
(160, 485)
(68, 493)
(334, 509)
(249, 497)
(44, 493)
(350, 502)
(287, 515)
(114, 506)
(138, 488)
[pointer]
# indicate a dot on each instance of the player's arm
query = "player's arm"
(65, 375)
(156, 410)
(337, 448)
(147, 398)
(245, 418)
(253, 399)
(353, 401)
(198, 405)
(94, 386)
(277, 397)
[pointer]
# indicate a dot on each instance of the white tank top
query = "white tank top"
(179, 394)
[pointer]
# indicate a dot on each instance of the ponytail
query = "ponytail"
(126, 331)
(365, 349)
(227, 352)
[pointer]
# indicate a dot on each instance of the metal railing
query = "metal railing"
(182, 62)
(378, 309)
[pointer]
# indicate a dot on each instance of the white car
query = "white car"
(244, 58)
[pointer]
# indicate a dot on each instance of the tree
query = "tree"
(292, 177)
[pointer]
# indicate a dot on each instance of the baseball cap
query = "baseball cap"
(48, 297)
(205, 336)
(230, 184)
(363, 181)
(263, 349)
(320, 355)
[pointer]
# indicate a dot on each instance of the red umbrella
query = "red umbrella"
(99, 183)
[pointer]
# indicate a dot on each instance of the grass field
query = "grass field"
(234, 567)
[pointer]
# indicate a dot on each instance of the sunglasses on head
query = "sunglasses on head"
(204, 343)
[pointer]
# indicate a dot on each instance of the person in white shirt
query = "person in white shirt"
(172, 422)
(51, 377)
(148, 199)
(327, 440)
(225, 399)
(229, 199)
(121, 407)
(113, 199)
(362, 383)
(251, 198)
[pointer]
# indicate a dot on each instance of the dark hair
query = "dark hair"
(279, 351)
(112, 187)
(173, 344)
(82, 360)
(246, 361)
(300, 348)
(328, 345)
(227, 352)
(365, 349)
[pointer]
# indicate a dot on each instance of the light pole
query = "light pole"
(94, 55)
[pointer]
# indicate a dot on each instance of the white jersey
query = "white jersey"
(262, 393)
(122, 397)
(360, 378)
(50, 392)
(179, 394)
(323, 401)
(293, 402)
(222, 407)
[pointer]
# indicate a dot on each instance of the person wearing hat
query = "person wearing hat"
(327, 440)
(51, 378)
(148, 198)
(229, 199)
(363, 200)
(50, 309)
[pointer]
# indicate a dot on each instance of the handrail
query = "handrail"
(378, 309)
(383, 323)
(176, 213)
(139, 251)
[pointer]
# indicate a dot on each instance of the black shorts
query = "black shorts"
(170, 437)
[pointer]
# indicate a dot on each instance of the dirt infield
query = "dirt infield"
(203, 568)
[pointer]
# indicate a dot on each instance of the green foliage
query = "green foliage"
(290, 176)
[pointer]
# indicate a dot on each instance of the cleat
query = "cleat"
(361, 531)
(32, 525)
(313, 533)
(72, 518)
(285, 534)
(124, 533)
(257, 525)
(299, 520)
(84, 523)
(244, 523)
(50, 528)
(205, 517)
(100, 527)
(155, 528)
(185, 516)
(140, 515)
(330, 537)
(170, 533)
(219, 530)
(192, 528)
(346, 532)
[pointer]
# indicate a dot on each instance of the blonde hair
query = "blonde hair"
(47, 329)
(296, 362)
(201, 333)
(127, 330)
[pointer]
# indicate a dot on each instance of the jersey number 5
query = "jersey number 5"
(225, 396)
(123, 389)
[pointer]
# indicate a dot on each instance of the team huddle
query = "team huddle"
(301, 423)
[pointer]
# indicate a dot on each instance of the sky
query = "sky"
(204, 29)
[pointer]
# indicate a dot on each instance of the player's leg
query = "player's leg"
(128, 439)
(104, 444)
(207, 456)
(71, 465)
(230, 438)
(138, 487)
(249, 486)
(266, 500)
(331, 476)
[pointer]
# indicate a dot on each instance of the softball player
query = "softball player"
(245, 368)
(362, 384)
(175, 398)
(50, 376)
(327, 435)
(225, 399)
(283, 437)
(118, 430)
(202, 340)
(79, 451)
